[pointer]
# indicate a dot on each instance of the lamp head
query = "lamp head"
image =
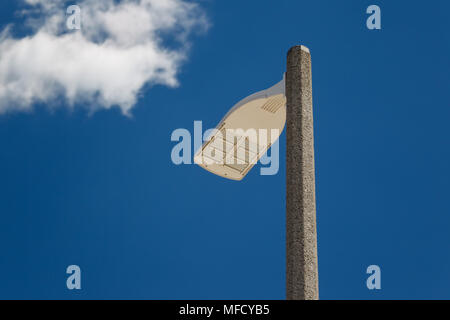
(244, 135)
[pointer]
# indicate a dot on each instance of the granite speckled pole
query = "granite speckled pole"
(301, 237)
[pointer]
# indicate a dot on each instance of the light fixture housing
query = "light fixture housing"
(245, 134)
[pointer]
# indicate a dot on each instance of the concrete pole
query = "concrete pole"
(301, 238)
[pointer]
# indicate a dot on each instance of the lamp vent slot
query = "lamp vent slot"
(274, 103)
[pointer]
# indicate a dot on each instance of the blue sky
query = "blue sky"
(100, 191)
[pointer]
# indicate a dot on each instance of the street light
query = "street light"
(233, 155)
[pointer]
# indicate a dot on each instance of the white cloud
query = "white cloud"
(120, 48)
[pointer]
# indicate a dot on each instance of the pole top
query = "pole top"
(300, 47)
